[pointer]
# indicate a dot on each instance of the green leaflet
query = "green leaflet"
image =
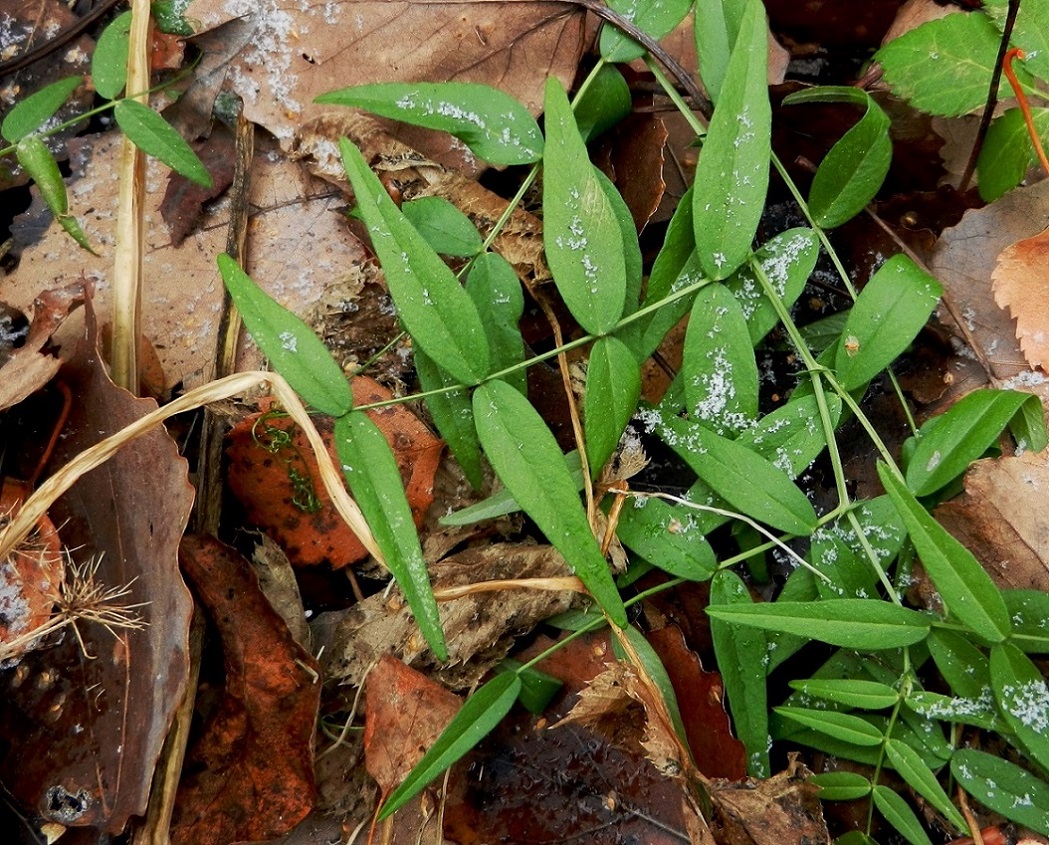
(581, 235)
(837, 552)
(495, 290)
(787, 261)
(888, 314)
(667, 536)
(718, 366)
(742, 654)
(373, 477)
(850, 623)
(613, 386)
(293, 349)
(791, 437)
(1029, 614)
(852, 172)
(1003, 787)
(490, 122)
(654, 17)
(537, 687)
(963, 665)
(899, 814)
(37, 161)
(716, 29)
(944, 66)
(453, 415)
(841, 786)
(1030, 32)
(31, 113)
(478, 716)
(432, 304)
(630, 334)
(733, 172)
(751, 483)
(605, 102)
(109, 61)
(978, 712)
(444, 226)
(910, 766)
(968, 592)
(1023, 700)
(1007, 152)
(156, 137)
(841, 726)
(851, 692)
(528, 461)
(961, 435)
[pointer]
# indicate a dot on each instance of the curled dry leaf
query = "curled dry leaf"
(250, 775)
(274, 474)
(1021, 284)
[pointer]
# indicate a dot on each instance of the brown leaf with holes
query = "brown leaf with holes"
(274, 474)
(82, 733)
(250, 774)
(405, 713)
(1021, 284)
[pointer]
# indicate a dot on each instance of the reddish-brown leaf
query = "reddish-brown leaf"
(250, 775)
(81, 734)
(1021, 284)
(273, 486)
(183, 204)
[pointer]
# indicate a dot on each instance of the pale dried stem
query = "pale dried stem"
(549, 585)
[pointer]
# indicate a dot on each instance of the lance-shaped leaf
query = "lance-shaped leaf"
(432, 304)
(715, 37)
(293, 349)
(859, 624)
(654, 17)
(841, 786)
(909, 765)
(490, 122)
(109, 61)
(31, 113)
(613, 386)
(36, 159)
(732, 176)
(444, 226)
(453, 415)
(496, 292)
(888, 314)
(372, 475)
(967, 590)
(669, 537)
(1023, 699)
(605, 102)
(997, 784)
(841, 726)
(155, 136)
(898, 813)
(528, 461)
(481, 713)
(581, 235)
(852, 172)
(852, 692)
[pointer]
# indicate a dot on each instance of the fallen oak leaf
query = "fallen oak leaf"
(250, 775)
(1021, 284)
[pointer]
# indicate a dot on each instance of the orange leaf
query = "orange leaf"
(1021, 284)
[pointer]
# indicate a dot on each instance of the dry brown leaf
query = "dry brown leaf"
(1001, 518)
(913, 14)
(1021, 284)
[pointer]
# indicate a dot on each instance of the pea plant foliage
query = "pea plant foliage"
(902, 680)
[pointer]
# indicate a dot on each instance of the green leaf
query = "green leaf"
(156, 137)
(657, 672)
(860, 624)
(718, 365)
(537, 687)
(841, 786)
(898, 813)
(444, 226)
(34, 111)
(742, 654)
(944, 66)
(613, 386)
(169, 18)
(1003, 787)
(605, 102)
(852, 172)
(668, 536)
(373, 477)
(751, 484)
(733, 172)
(961, 435)
(495, 290)
(581, 235)
(716, 29)
(109, 61)
(841, 726)
(1030, 32)
(787, 261)
(630, 334)
(792, 437)
(490, 122)
(1029, 614)
(478, 716)
(887, 316)
(963, 666)
(910, 766)
(1007, 152)
(967, 591)
(1023, 699)
(855, 837)
(866, 695)
(453, 415)
(528, 461)
(432, 304)
(653, 17)
(38, 162)
(293, 349)
(978, 712)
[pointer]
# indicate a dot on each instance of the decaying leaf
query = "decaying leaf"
(1021, 284)
(82, 733)
(250, 774)
(274, 474)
